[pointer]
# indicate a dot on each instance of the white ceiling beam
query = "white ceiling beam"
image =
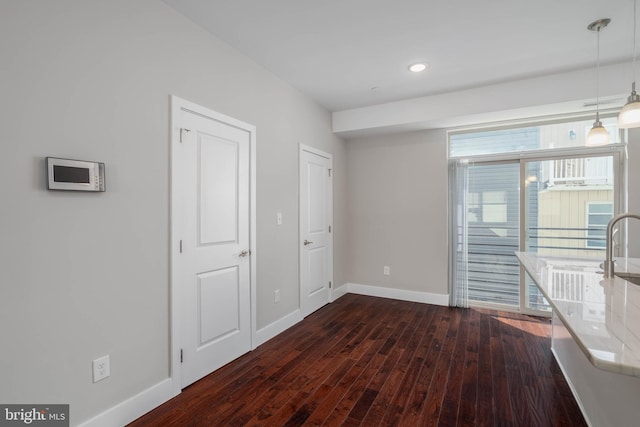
(535, 97)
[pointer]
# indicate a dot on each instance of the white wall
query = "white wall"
(84, 275)
(397, 198)
(397, 211)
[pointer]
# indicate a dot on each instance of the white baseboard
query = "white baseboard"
(133, 408)
(399, 294)
(265, 334)
(138, 405)
(339, 292)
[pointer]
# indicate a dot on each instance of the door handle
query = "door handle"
(244, 253)
(306, 242)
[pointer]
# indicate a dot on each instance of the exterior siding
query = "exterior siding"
(564, 208)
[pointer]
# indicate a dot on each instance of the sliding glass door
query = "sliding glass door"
(535, 188)
(551, 205)
(493, 215)
(569, 201)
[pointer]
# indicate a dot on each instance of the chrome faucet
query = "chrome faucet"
(608, 262)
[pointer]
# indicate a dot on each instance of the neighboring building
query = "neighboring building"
(568, 203)
(575, 204)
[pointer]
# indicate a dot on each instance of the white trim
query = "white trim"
(175, 297)
(315, 151)
(338, 292)
(547, 154)
(125, 412)
(253, 233)
(177, 105)
(275, 328)
(398, 294)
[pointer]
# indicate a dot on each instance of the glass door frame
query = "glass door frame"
(617, 151)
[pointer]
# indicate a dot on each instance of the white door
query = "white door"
(315, 229)
(211, 218)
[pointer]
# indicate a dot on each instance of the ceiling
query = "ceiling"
(353, 53)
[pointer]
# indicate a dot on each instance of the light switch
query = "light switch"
(279, 218)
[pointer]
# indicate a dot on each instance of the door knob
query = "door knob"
(306, 242)
(244, 253)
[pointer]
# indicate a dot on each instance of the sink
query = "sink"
(629, 277)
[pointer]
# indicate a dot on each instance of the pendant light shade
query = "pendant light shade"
(598, 135)
(629, 116)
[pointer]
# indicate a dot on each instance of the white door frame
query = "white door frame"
(300, 231)
(175, 296)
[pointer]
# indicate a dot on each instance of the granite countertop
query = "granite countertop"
(602, 315)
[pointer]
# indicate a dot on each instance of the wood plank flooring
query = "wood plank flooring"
(365, 361)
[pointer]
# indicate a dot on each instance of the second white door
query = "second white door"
(315, 229)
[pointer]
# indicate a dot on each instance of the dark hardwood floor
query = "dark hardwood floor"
(364, 361)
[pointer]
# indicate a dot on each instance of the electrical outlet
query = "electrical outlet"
(276, 296)
(386, 270)
(101, 368)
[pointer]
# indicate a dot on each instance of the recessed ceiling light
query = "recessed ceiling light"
(416, 68)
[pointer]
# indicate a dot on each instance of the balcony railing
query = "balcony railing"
(494, 271)
(580, 171)
(570, 241)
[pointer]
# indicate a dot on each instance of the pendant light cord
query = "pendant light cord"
(598, 78)
(635, 23)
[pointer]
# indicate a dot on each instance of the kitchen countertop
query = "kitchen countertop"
(602, 315)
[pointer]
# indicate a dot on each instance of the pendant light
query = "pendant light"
(629, 116)
(598, 135)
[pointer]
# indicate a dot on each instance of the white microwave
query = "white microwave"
(74, 175)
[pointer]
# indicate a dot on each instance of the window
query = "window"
(598, 216)
(495, 141)
(530, 138)
(532, 188)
